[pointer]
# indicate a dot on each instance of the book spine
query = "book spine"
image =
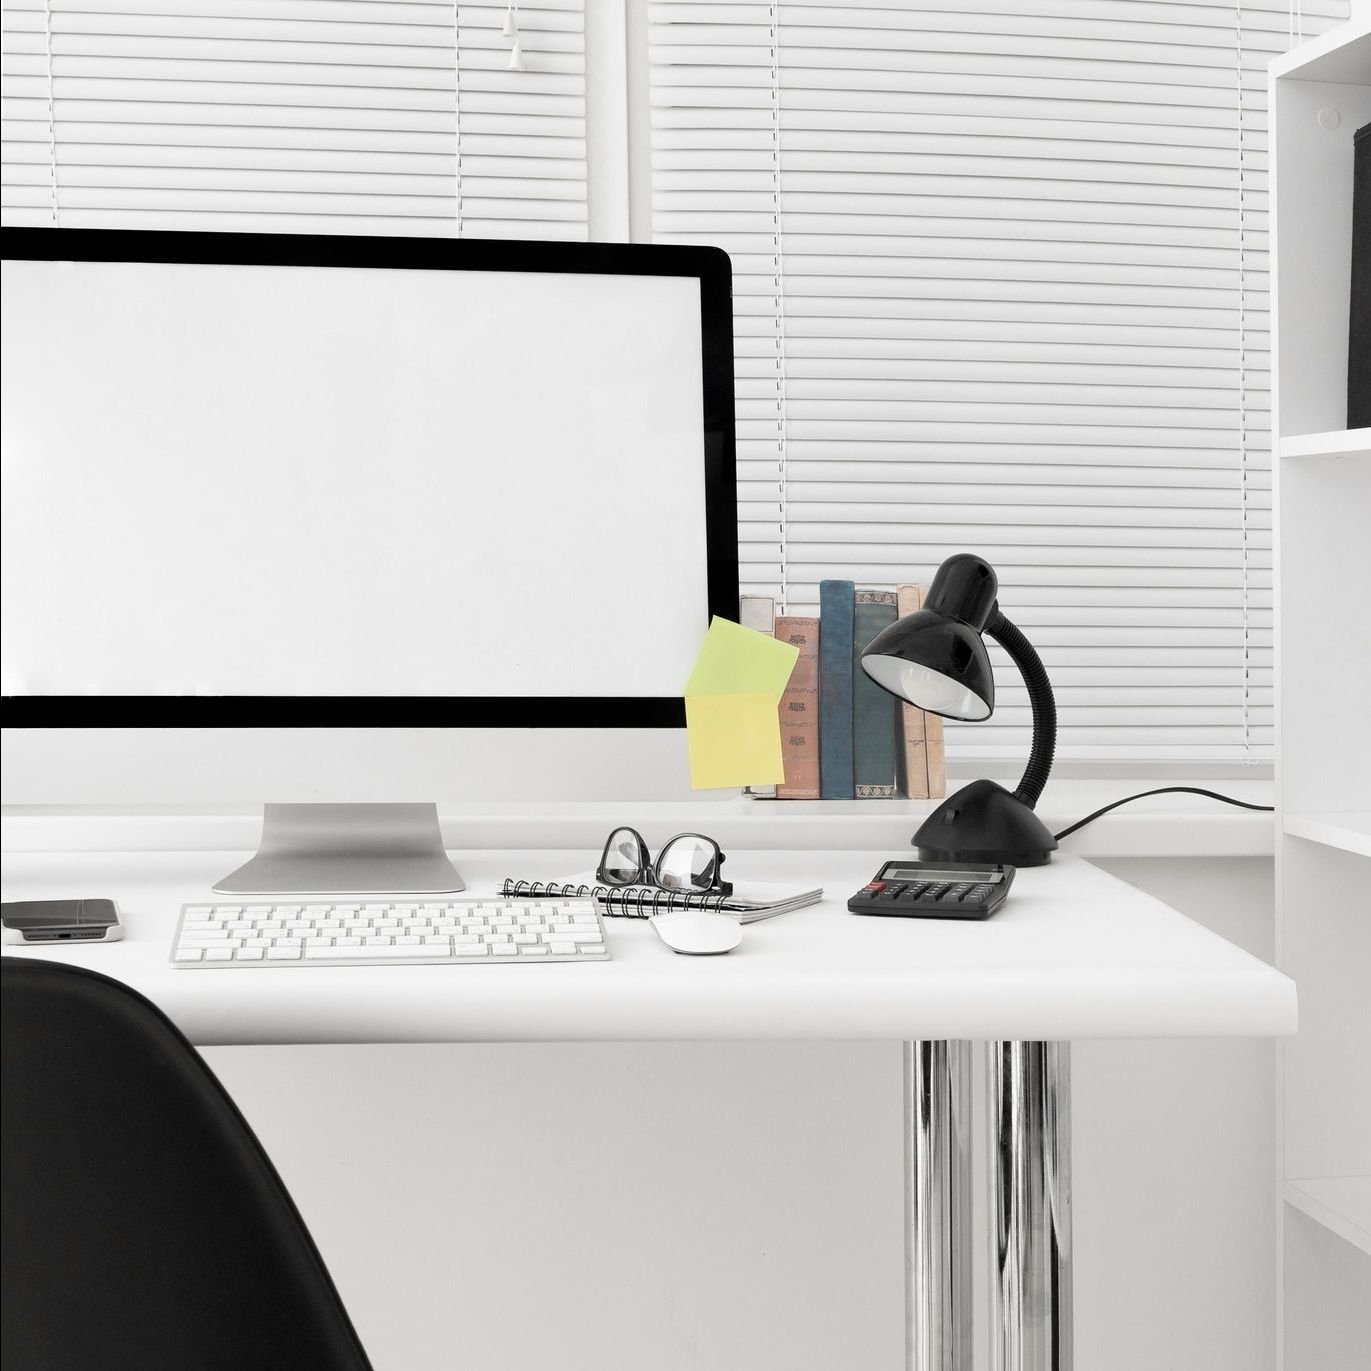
(937, 757)
(758, 612)
(1359, 311)
(913, 771)
(875, 712)
(835, 690)
(799, 711)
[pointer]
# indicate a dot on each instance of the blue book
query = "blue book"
(835, 690)
(875, 712)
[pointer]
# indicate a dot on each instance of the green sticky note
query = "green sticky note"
(733, 729)
(740, 661)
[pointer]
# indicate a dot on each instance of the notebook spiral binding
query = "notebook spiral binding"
(639, 902)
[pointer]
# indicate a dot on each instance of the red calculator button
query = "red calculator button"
(876, 885)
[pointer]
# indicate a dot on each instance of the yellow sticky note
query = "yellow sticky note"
(734, 740)
(733, 730)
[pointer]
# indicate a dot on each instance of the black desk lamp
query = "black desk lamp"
(935, 658)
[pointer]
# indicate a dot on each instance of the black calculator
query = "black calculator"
(934, 890)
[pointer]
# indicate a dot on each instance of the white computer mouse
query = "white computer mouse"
(696, 933)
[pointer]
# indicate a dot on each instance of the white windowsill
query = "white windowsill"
(1164, 825)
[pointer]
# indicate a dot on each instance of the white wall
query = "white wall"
(737, 1206)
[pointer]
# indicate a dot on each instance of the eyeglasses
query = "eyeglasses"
(689, 862)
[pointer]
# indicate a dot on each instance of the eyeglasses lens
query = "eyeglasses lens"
(624, 857)
(686, 863)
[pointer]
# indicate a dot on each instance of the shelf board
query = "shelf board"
(1347, 442)
(1349, 830)
(1342, 1204)
(1342, 55)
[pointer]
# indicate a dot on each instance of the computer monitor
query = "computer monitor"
(271, 483)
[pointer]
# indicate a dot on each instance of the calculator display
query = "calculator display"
(986, 875)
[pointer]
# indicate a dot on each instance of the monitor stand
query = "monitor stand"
(347, 849)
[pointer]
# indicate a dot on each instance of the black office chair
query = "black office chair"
(143, 1225)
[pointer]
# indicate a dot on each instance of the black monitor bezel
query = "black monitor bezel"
(710, 266)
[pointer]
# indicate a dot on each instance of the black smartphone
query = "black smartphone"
(61, 921)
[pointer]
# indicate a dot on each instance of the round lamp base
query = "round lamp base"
(983, 823)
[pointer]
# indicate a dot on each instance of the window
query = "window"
(1001, 285)
(309, 116)
(1000, 267)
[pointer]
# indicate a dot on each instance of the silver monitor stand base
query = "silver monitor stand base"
(347, 849)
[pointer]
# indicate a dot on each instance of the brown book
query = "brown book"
(799, 711)
(913, 758)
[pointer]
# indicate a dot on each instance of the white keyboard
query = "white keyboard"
(382, 932)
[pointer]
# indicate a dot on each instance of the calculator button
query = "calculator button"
(960, 892)
(917, 888)
(979, 892)
(898, 890)
(936, 892)
(876, 887)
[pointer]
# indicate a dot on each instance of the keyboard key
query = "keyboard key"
(251, 954)
(283, 954)
(359, 954)
(189, 954)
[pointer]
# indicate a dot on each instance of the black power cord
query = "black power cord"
(1165, 790)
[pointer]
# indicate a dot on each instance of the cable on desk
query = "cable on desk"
(1165, 790)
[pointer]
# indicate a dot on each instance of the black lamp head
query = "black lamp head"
(935, 658)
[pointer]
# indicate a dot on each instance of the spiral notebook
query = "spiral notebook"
(750, 900)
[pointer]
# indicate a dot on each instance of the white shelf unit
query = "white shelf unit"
(1320, 94)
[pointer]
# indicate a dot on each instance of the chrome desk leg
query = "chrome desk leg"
(1030, 1129)
(937, 1178)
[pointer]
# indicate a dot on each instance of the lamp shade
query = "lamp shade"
(935, 663)
(935, 658)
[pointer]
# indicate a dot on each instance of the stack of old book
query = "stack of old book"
(842, 736)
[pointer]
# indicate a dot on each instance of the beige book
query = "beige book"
(914, 753)
(937, 756)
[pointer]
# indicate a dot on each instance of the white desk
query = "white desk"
(1074, 953)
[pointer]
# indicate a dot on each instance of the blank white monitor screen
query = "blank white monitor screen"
(307, 481)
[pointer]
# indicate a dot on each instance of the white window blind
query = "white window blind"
(311, 116)
(1001, 285)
